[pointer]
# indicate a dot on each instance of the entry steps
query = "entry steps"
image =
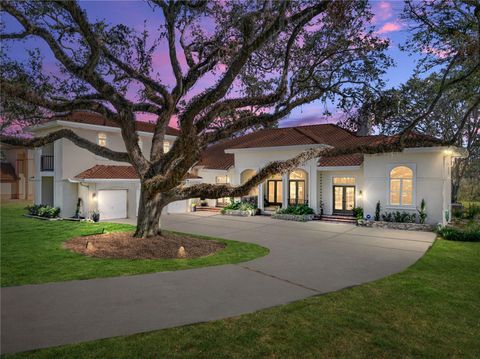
(338, 219)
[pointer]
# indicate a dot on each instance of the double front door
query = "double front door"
(343, 200)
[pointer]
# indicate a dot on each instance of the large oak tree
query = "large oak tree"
(266, 58)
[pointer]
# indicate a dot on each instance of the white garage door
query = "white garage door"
(112, 203)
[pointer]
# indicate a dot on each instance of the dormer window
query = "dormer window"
(102, 139)
(166, 146)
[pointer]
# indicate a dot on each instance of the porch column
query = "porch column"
(260, 197)
(285, 190)
(313, 201)
(38, 178)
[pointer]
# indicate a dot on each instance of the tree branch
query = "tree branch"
(70, 135)
(206, 190)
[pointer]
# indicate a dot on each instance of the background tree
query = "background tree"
(443, 96)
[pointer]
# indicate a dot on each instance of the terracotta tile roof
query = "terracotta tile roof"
(96, 119)
(344, 160)
(114, 172)
(216, 158)
(7, 173)
(328, 134)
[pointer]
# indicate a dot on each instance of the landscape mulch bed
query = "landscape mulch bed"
(123, 246)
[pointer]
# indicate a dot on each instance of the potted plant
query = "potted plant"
(95, 216)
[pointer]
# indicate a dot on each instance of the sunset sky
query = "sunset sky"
(133, 13)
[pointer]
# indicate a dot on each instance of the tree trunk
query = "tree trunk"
(149, 213)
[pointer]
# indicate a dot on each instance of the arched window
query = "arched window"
(401, 186)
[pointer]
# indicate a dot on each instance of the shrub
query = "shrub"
(43, 210)
(457, 213)
(387, 217)
(422, 212)
(240, 206)
(358, 212)
(299, 210)
(471, 233)
(253, 200)
(377, 211)
(399, 217)
(472, 211)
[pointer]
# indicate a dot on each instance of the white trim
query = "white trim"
(89, 126)
(277, 148)
(102, 180)
(201, 168)
(455, 151)
(339, 168)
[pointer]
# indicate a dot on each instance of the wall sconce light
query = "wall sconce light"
(360, 194)
(94, 196)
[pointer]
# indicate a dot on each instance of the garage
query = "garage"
(112, 204)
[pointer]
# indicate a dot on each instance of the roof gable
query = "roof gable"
(91, 118)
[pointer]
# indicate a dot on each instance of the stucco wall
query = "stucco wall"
(430, 182)
(84, 159)
(209, 176)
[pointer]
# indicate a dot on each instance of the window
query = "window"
(344, 181)
(274, 191)
(166, 146)
(222, 179)
(401, 186)
(102, 139)
(296, 187)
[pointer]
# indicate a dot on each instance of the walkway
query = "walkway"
(305, 259)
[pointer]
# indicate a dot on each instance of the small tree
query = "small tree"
(377, 211)
(422, 212)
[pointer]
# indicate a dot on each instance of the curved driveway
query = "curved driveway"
(305, 259)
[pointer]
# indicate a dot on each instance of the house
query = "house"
(336, 185)
(16, 167)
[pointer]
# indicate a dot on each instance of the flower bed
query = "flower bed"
(397, 225)
(294, 217)
(238, 212)
(240, 208)
(43, 211)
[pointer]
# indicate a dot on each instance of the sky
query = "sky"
(134, 13)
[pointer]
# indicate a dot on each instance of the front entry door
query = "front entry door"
(343, 200)
(274, 192)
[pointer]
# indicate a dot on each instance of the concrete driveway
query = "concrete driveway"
(305, 259)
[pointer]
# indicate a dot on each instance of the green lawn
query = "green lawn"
(31, 252)
(431, 310)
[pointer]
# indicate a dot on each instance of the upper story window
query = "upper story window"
(401, 186)
(166, 146)
(222, 179)
(102, 139)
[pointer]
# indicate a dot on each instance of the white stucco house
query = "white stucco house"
(65, 172)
